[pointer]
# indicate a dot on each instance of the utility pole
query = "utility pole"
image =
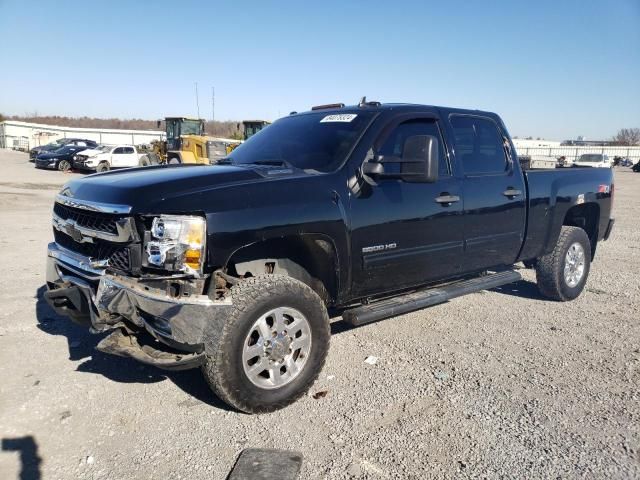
(213, 104)
(197, 101)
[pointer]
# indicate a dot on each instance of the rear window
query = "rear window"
(590, 158)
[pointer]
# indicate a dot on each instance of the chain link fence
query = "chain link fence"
(573, 153)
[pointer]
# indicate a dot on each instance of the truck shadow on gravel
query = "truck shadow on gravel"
(82, 343)
(522, 289)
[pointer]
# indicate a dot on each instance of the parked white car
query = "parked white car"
(106, 157)
(597, 160)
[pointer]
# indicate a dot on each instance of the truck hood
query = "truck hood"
(164, 188)
(51, 155)
(90, 152)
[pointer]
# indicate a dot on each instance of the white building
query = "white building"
(24, 136)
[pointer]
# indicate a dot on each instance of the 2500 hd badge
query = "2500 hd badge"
(363, 212)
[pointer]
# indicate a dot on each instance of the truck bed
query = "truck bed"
(552, 193)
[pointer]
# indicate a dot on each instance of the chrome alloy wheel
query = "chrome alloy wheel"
(276, 348)
(574, 265)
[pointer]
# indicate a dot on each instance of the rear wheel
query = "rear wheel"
(103, 167)
(174, 161)
(272, 346)
(562, 274)
(64, 165)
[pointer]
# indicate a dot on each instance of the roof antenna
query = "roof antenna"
(363, 101)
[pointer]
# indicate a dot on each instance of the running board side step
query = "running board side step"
(410, 302)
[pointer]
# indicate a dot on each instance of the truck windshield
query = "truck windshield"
(314, 141)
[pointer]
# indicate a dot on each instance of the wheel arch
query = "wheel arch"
(174, 154)
(587, 217)
(309, 258)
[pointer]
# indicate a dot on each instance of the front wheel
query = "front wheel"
(64, 165)
(103, 167)
(562, 274)
(272, 346)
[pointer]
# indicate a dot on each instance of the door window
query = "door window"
(394, 144)
(118, 150)
(479, 145)
(128, 149)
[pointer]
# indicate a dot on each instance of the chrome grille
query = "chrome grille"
(118, 256)
(103, 233)
(102, 222)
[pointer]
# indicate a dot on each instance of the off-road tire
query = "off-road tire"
(64, 165)
(252, 298)
(174, 161)
(550, 268)
(103, 167)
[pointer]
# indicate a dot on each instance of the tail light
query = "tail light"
(612, 190)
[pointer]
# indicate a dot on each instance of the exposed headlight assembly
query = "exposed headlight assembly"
(176, 243)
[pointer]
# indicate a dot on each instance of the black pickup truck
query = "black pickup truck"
(366, 212)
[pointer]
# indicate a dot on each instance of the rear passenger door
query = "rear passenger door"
(493, 192)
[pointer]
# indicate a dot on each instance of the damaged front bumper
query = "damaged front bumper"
(105, 301)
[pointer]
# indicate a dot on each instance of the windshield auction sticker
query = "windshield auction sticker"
(345, 117)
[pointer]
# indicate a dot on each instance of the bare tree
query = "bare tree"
(628, 136)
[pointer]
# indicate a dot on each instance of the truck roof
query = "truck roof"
(383, 107)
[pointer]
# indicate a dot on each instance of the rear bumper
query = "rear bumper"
(104, 301)
(607, 232)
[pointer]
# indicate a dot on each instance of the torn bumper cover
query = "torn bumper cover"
(106, 301)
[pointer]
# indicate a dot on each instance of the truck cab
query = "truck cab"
(251, 127)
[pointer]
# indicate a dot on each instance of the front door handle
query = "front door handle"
(447, 199)
(512, 192)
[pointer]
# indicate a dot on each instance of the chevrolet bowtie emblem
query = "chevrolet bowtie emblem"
(74, 233)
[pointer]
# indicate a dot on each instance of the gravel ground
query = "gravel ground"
(495, 384)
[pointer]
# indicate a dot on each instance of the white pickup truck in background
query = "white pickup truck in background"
(594, 160)
(106, 157)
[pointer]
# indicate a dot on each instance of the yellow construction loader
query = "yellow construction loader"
(251, 127)
(186, 142)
